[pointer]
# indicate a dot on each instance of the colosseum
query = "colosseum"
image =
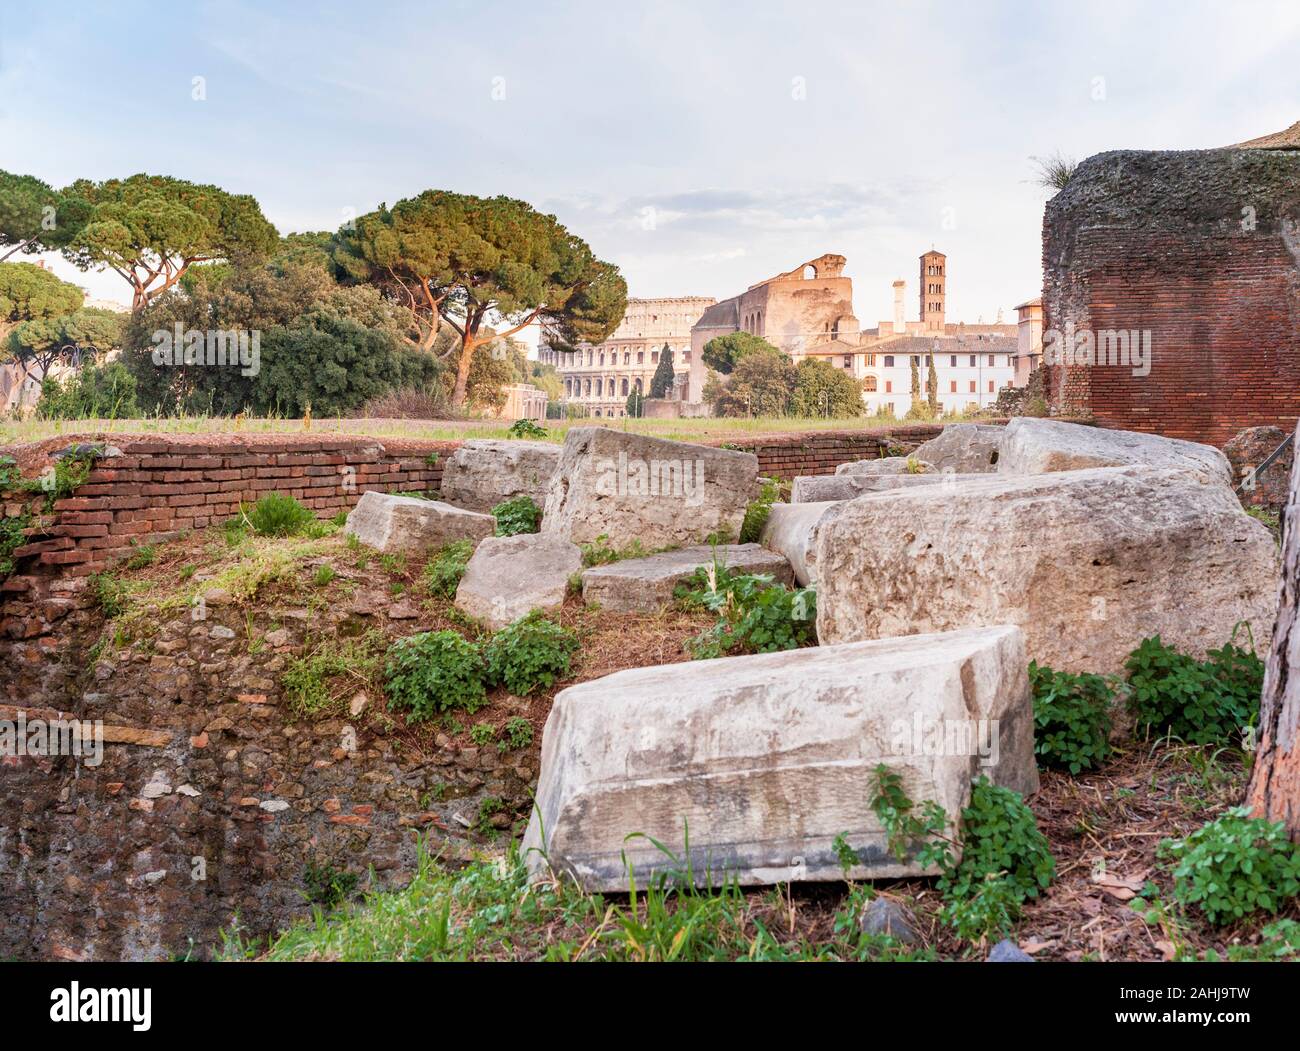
(598, 379)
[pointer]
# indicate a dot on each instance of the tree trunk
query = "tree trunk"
(461, 390)
(1275, 782)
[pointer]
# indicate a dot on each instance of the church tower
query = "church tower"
(934, 282)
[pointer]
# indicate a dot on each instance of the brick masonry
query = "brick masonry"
(160, 487)
(1201, 249)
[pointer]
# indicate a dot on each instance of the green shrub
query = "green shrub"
(442, 574)
(600, 552)
(1200, 702)
(110, 594)
(482, 734)
(12, 537)
(757, 512)
(755, 615)
(518, 515)
(323, 678)
(94, 392)
(516, 733)
(1235, 866)
(1005, 858)
(143, 555)
(328, 886)
(526, 429)
(278, 514)
(531, 652)
(1071, 718)
(435, 672)
(1000, 838)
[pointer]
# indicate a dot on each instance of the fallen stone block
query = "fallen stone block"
(409, 525)
(966, 448)
(1088, 563)
(762, 761)
(510, 576)
(483, 473)
(628, 487)
(886, 465)
(1038, 446)
(821, 488)
(791, 531)
(645, 584)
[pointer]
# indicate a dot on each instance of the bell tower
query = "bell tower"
(934, 283)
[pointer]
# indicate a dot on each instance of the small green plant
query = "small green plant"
(1279, 940)
(532, 652)
(321, 680)
(1234, 866)
(328, 886)
(143, 555)
(1071, 718)
(516, 516)
(1005, 858)
(431, 460)
(487, 810)
(340, 519)
(442, 574)
(324, 575)
(515, 734)
(110, 593)
(278, 514)
(12, 536)
(393, 563)
(756, 514)
(600, 552)
(755, 614)
(435, 672)
(482, 734)
(526, 429)
(1200, 702)
(914, 466)
(187, 572)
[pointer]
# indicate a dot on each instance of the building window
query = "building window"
(627, 357)
(640, 357)
(848, 361)
(889, 386)
(869, 384)
(972, 364)
(623, 388)
(889, 361)
(952, 360)
(992, 360)
(871, 361)
(972, 386)
(953, 387)
(990, 386)
(654, 356)
(686, 355)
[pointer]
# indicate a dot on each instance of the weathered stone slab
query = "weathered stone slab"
(628, 487)
(409, 525)
(1038, 446)
(510, 576)
(791, 531)
(1086, 562)
(820, 488)
(966, 448)
(485, 472)
(886, 465)
(646, 584)
(764, 760)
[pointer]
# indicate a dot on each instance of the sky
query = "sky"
(701, 146)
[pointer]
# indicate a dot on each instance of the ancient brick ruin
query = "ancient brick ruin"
(1200, 249)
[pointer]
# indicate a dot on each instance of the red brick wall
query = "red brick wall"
(161, 486)
(1224, 326)
(1199, 249)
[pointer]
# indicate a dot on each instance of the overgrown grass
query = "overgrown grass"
(488, 911)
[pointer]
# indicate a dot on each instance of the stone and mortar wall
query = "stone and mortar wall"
(212, 798)
(1201, 248)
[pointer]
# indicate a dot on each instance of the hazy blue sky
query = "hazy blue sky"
(667, 134)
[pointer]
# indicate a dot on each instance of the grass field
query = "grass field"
(12, 431)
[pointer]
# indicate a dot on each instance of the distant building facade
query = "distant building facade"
(599, 378)
(808, 313)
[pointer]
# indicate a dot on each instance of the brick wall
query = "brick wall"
(1200, 249)
(160, 486)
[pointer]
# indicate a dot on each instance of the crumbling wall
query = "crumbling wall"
(1200, 248)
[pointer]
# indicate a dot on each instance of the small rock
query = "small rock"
(154, 877)
(358, 705)
(217, 597)
(886, 916)
(277, 638)
(274, 806)
(403, 610)
(187, 790)
(1007, 951)
(220, 631)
